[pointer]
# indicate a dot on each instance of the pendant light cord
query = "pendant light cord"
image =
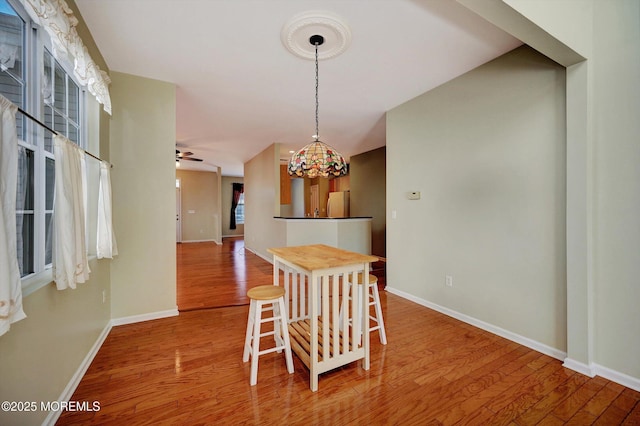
(317, 131)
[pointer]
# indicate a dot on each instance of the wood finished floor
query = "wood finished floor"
(435, 370)
(211, 275)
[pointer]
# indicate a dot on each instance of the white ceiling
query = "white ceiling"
(239, 89)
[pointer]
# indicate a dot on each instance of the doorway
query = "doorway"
(314, 200)
(178, 212)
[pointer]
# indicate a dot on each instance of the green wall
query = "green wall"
(486, 151)
(367, 179)
(143, 276)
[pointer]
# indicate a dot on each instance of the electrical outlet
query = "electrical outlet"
(448, 281)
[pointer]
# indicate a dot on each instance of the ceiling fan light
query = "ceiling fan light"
(186, 156)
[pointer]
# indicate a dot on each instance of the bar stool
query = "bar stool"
(373, 300)
(266, 298)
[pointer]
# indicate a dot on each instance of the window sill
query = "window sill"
(37, 281)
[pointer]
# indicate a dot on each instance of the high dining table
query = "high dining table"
(324, 325)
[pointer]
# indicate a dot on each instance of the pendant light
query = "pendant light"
(317, 158)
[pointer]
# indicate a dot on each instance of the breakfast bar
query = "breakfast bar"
(323, 324)
(349, 233)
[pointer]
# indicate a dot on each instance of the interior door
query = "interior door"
(178, 212)
(314, 199)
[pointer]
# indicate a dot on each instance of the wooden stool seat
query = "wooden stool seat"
(265, 292)
(266, 298)
(372, 279)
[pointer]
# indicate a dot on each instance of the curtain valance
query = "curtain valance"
(58, 20)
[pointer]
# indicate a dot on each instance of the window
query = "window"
(47, 91)
(240, 210)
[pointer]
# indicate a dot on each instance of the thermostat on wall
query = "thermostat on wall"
(414, 195)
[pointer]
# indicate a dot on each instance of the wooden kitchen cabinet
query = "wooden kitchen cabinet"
(285, 185)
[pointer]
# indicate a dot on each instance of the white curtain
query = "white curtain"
(58, 20)
(70, 261)
(106, 241)
(10, 284)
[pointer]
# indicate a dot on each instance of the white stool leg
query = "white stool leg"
(255, 347)
(282, 322)
(277, 328)
(342, 307)
(358, 300)
(358, 307)
(378, 310)
(248, 335)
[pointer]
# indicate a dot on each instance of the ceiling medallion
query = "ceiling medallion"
(296, 32)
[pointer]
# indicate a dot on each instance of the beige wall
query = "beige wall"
(367, 173)
(616, 92)
(199, 205)
(262, 202)
(227, 191)
(487, 153)
(143, 276)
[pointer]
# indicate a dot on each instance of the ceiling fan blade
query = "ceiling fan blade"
(191, 159)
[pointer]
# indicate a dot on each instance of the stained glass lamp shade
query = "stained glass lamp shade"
(317, 159)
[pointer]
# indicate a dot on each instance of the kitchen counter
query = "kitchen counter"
(348, 233)
(316, 218)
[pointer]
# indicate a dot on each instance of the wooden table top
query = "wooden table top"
(320, 256)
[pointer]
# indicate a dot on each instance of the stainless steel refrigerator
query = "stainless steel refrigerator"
(338, 204)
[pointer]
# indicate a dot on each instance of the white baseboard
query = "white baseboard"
(145, 317)
(588, 370)
(267, 258)
(616, 376)
(68, 391)
(514, 337)
(578, 366)
(594, 369)
(211, 240)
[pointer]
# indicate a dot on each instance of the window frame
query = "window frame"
(35, 42)
(240, 218)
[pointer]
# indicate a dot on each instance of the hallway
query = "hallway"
(212, 276)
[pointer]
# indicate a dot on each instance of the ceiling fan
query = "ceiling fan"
(185, 156)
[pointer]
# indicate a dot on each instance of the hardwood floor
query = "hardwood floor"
(435, 370)
(211, 275)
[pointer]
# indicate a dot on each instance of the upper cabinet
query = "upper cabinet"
(339, 184)
(285, 185)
